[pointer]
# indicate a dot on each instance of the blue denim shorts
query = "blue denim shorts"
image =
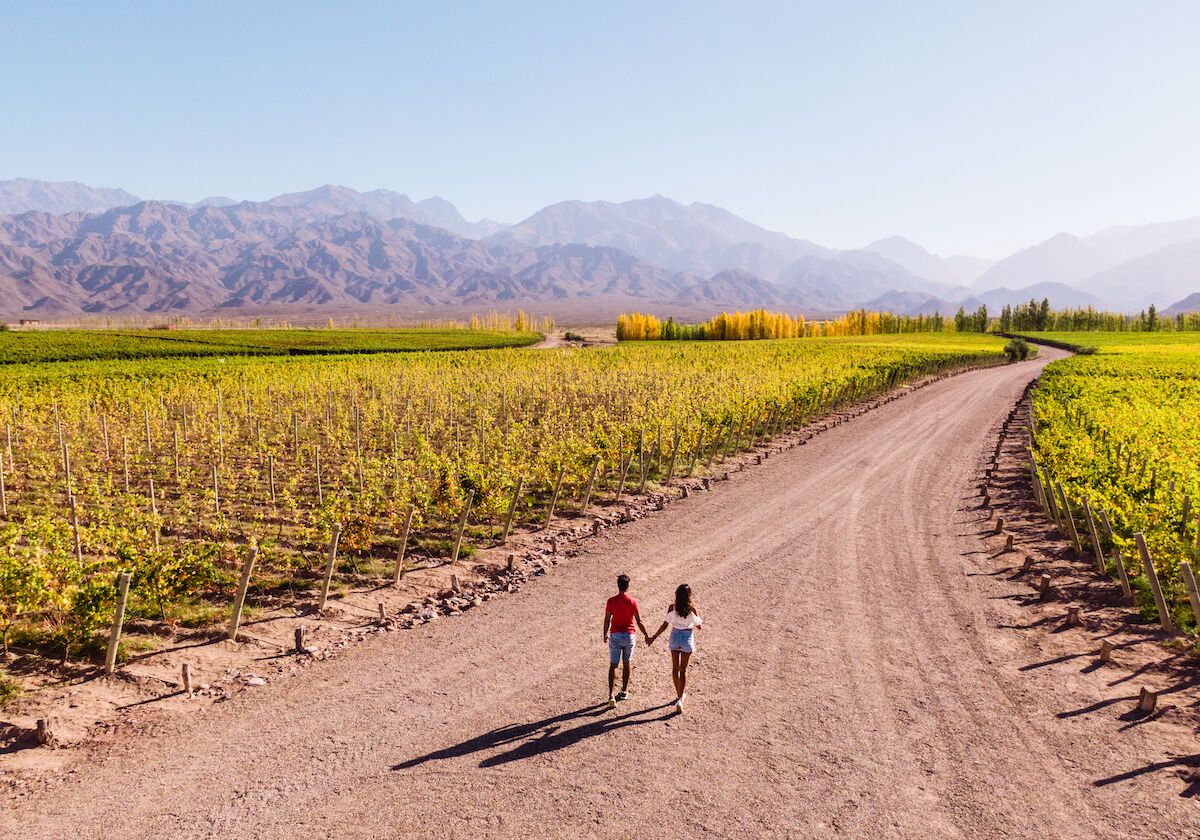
(683, 640)
(620, 647)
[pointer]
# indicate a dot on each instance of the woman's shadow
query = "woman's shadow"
(545, 735)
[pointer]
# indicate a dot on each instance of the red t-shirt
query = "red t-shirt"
(623, 610)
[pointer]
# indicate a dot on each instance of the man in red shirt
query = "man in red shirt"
(620, 615)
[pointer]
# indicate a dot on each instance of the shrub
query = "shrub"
(1018, 350)
(574, 336)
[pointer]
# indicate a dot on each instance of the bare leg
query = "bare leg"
(675, 673)
(612, 678)
(626, 671)
(684, 658)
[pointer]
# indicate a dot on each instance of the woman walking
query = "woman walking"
(684, 621)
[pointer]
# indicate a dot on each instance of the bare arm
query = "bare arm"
(638, 618)
(657, 633)
(607, 623)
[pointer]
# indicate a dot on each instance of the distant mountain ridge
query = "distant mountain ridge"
(68, 248)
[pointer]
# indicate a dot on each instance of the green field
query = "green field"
(32, 346)
(1119, 428)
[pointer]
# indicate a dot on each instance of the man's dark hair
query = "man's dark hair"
(622, 582)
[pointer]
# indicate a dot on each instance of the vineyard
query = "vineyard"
(172, 470)
(26, 347)
(1118, 429)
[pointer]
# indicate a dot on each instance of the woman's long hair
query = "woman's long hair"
(683, 601)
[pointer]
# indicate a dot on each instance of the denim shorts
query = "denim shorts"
(683, 640)
(620, 647)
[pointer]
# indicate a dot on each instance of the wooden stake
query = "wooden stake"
(114, 637)
(240, 601)
(320, 490)
(299, 639)
(3, 492)
(154, 513)
(382, 613)
(999, 525)
(75, 531)
(1123, 574)
(1097, 549)
(1044, 587)
(125, 460)
(1073, 617)
(1164, 616)
(587, 494)
(671, 464)
(1106, 651)
(1193, 590)
(554, 497)
(186, 673)
(216, 491)
(512, 509)
(621, 478)
(1070, 517)
(333, 547)
(271, 476)
(462, 526)
(1147, 701)
(408, 518)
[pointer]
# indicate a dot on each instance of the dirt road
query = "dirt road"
(854, 678)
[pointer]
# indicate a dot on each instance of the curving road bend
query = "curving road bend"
(850, 681)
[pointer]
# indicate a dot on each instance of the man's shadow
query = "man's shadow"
(545, 735)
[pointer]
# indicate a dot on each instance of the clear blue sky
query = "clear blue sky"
(970, 127)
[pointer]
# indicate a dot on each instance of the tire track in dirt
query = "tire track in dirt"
(850, 681)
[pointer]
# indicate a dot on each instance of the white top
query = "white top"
(677, 623)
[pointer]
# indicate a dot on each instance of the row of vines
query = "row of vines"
(170, 469)
(1117, 429)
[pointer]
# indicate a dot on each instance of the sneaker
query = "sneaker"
(622, 695)
(612, 704)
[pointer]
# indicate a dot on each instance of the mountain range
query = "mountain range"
(67, 248)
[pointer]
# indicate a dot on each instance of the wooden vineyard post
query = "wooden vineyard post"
(462, 525)
(75, 532)
(621, 479)
(587, 493)
(125, 459)
(243, 584)
(186, 674)
(512, 509)
(154, 513)
(642, 472)
(3, 492)
(114, 637)
(320, 490)
(671, 463)
(329, 564)
(1070, 517)
(271, 476)
(1164, 616)
(554, 497)
(408, 518)
(216, 491)
(1190, 583)
(1095, 538)
(1126, 589)
(1052, 502)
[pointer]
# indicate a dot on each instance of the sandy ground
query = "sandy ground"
(867, 668)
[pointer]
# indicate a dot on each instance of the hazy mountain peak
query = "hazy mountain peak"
(20, 195)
